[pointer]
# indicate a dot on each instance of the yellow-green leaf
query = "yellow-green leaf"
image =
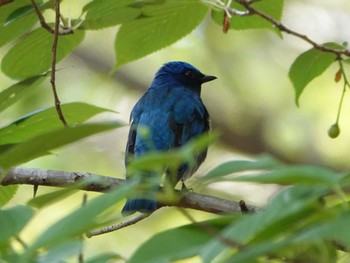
(308, 66)
(32, 55)
(160, 26)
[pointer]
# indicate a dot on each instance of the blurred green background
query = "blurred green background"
(252, 106)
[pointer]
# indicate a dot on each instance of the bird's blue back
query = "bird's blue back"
(172, 112)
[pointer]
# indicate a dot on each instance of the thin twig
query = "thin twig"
(343, 91)
(53, 63)
(282, 27)
(121, 225)
(41, 18)
(46, 26)
(19, 240)
(5, 2)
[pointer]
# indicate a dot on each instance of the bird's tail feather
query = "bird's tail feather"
(140, 205)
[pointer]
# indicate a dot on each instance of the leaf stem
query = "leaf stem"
(346, 83)
(46, 26)
(253, 11)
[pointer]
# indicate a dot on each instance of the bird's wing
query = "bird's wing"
(187, 120)
(134, 120)
(130, 146)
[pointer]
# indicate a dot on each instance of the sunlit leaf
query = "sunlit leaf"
(16, 28)
(52, 197)
(40, 145)
(65, 250)
(101, 14)
(49, 198)
(9, 11)
(300, 229)
(280, 215)
(12, 94)
(337, 229)
(19, 18)
(231, 167)
(12, 221)
(178, 243)
(42, 121)
(33, 54)
(77, 222)
(102, 258)
(160, 26)
(172, 158)
(7, 193)
(308, 66)
(307, 175)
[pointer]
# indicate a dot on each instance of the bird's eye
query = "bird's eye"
(189, 74)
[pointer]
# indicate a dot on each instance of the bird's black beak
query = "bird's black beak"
(207, 78)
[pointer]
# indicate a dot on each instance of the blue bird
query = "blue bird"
(173, 113)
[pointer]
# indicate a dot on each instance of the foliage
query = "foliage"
(306, 222)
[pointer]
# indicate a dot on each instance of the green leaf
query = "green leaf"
(24, 8)
(160, 26)
(178, 243)
(337, 229)
(39, 122)
(40, 145)
(7, 11)
(273, 8)
(282, 215)
(174, 244)
(300, 231)
(16, 28)
(228, 168)
(102, 258)
(49, 198)
(7, 193)
(12, 221)
(308, 66)
(65, 250)
(252, 253)
(157, 160)
(32, 55)
(12, 94)
(19, 19)
(107, 13)
(72, 226)
(302, 175)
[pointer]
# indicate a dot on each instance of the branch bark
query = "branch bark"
(43, 177)
(46, 26)
(283, 28)
(53, 63)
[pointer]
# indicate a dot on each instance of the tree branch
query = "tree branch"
(42, 177)
(46, 26)
(53, 63)
(283, 28)
(121, 225)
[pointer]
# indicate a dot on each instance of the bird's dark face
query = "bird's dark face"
(184, 74)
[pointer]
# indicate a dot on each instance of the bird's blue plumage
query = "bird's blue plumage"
(173, 113)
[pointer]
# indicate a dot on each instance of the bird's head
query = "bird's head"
(181, 73)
